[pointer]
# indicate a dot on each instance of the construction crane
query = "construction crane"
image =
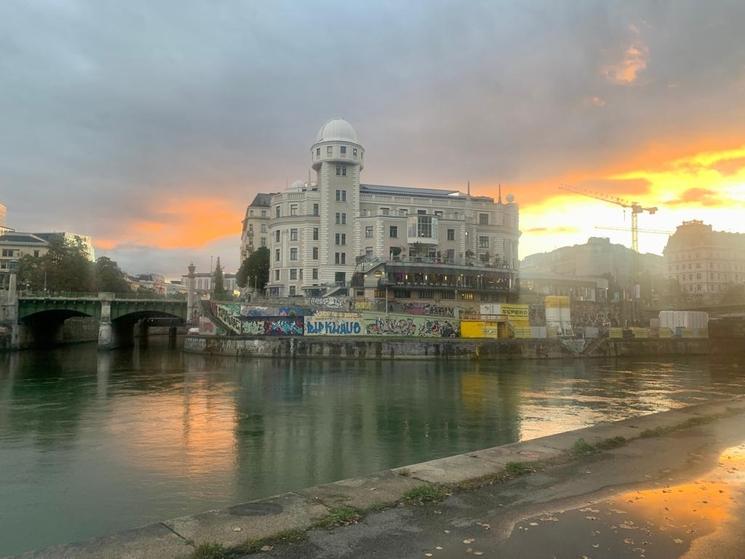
(650, 231)
(635, 207)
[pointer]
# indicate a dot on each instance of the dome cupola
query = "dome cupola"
(337, 142)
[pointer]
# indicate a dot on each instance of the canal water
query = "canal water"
(96, 442)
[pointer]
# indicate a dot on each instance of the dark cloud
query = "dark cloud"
(108, 108)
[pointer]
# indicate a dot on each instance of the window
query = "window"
(341, 238)
(293, 209)
(263, 227)
(263, 213)
(329, 151)
(343, 150)
(338, 218)
(385, 211)
(343, 218)
(276, 255)
(315, 209)
(301, 273)
(338, 171)
(421, 212)
(315, 233)
(276, 275)
(451, 234)
(293, 273)
(368, 231)
(278, 211)
(263, 241)
(293, 234)
(438, 213)
(341, 195)
(424, 226)
(276, 235)
(403, 212)
(293, 254)
(393, 232)
(340, 257)
(315, 253)
(483, 242)
(368, 252)
(315, 273)
(343, 257)
(483, 219)
(318, 152)
(354, 152)
(250, 212)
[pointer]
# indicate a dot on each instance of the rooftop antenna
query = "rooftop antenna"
(500, 193)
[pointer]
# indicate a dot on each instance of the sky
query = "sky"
(151, 125)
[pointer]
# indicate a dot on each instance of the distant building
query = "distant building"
(598, 257)
(203, 282)
(15, 245)
(705, 262)
(390, 242)
(255, 232)
(579, 288)
(3, 214)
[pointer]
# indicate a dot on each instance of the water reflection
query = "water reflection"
(120, 439)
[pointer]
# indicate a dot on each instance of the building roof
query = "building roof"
(262, 199)
(414, 191)
(337, 129)
(16, 237)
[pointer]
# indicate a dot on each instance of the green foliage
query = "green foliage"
(65, 267)
(109, 277)
(425, 494)
(340, 516)
(254, 271)
(582, 448)
(209, 551)
(218, 282)
(286, 536)
(517, 469)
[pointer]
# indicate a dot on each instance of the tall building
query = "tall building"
(705, 262)
(86, 242)
(3, 214)
(255, 231)
(421, 243)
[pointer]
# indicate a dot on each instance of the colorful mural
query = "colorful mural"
(273, 326)
(423, 327)
(333, 327)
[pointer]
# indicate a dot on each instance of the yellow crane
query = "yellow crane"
(635, 207)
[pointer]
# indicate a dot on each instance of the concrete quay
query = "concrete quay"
(385, 348)
(498, 487)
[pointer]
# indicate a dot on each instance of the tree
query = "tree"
(254, 271)
(109, 276)
(65, 267)
(218, 282)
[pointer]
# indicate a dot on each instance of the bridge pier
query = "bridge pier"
(105, 329)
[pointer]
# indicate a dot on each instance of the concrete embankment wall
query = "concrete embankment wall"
(420, 348)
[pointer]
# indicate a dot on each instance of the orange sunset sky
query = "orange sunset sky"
(151, 127)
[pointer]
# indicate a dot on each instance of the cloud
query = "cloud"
(551, 230)
(697, 196)
(632, 63)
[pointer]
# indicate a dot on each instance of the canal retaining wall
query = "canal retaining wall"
(437, 348)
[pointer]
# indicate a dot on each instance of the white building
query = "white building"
(255, 231)
(423, 243)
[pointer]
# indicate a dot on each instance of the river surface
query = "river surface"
(96, 442)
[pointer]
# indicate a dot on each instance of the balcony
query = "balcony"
(422, 229)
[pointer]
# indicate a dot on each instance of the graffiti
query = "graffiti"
(274, 326)
(427, 309)
(335, 327)
(328, 302)
(412, 326)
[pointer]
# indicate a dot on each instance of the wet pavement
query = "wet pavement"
(681, 495)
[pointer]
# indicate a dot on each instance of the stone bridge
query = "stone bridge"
(40, 317)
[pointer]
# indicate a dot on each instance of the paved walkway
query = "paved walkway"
(677, 495)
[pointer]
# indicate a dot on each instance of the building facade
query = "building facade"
(15, 245)
(337, 233)
(203, 282)
(255, 230)
(704, 262)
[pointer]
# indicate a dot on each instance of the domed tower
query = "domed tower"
(338, 158)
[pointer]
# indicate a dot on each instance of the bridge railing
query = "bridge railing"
(94, 295)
